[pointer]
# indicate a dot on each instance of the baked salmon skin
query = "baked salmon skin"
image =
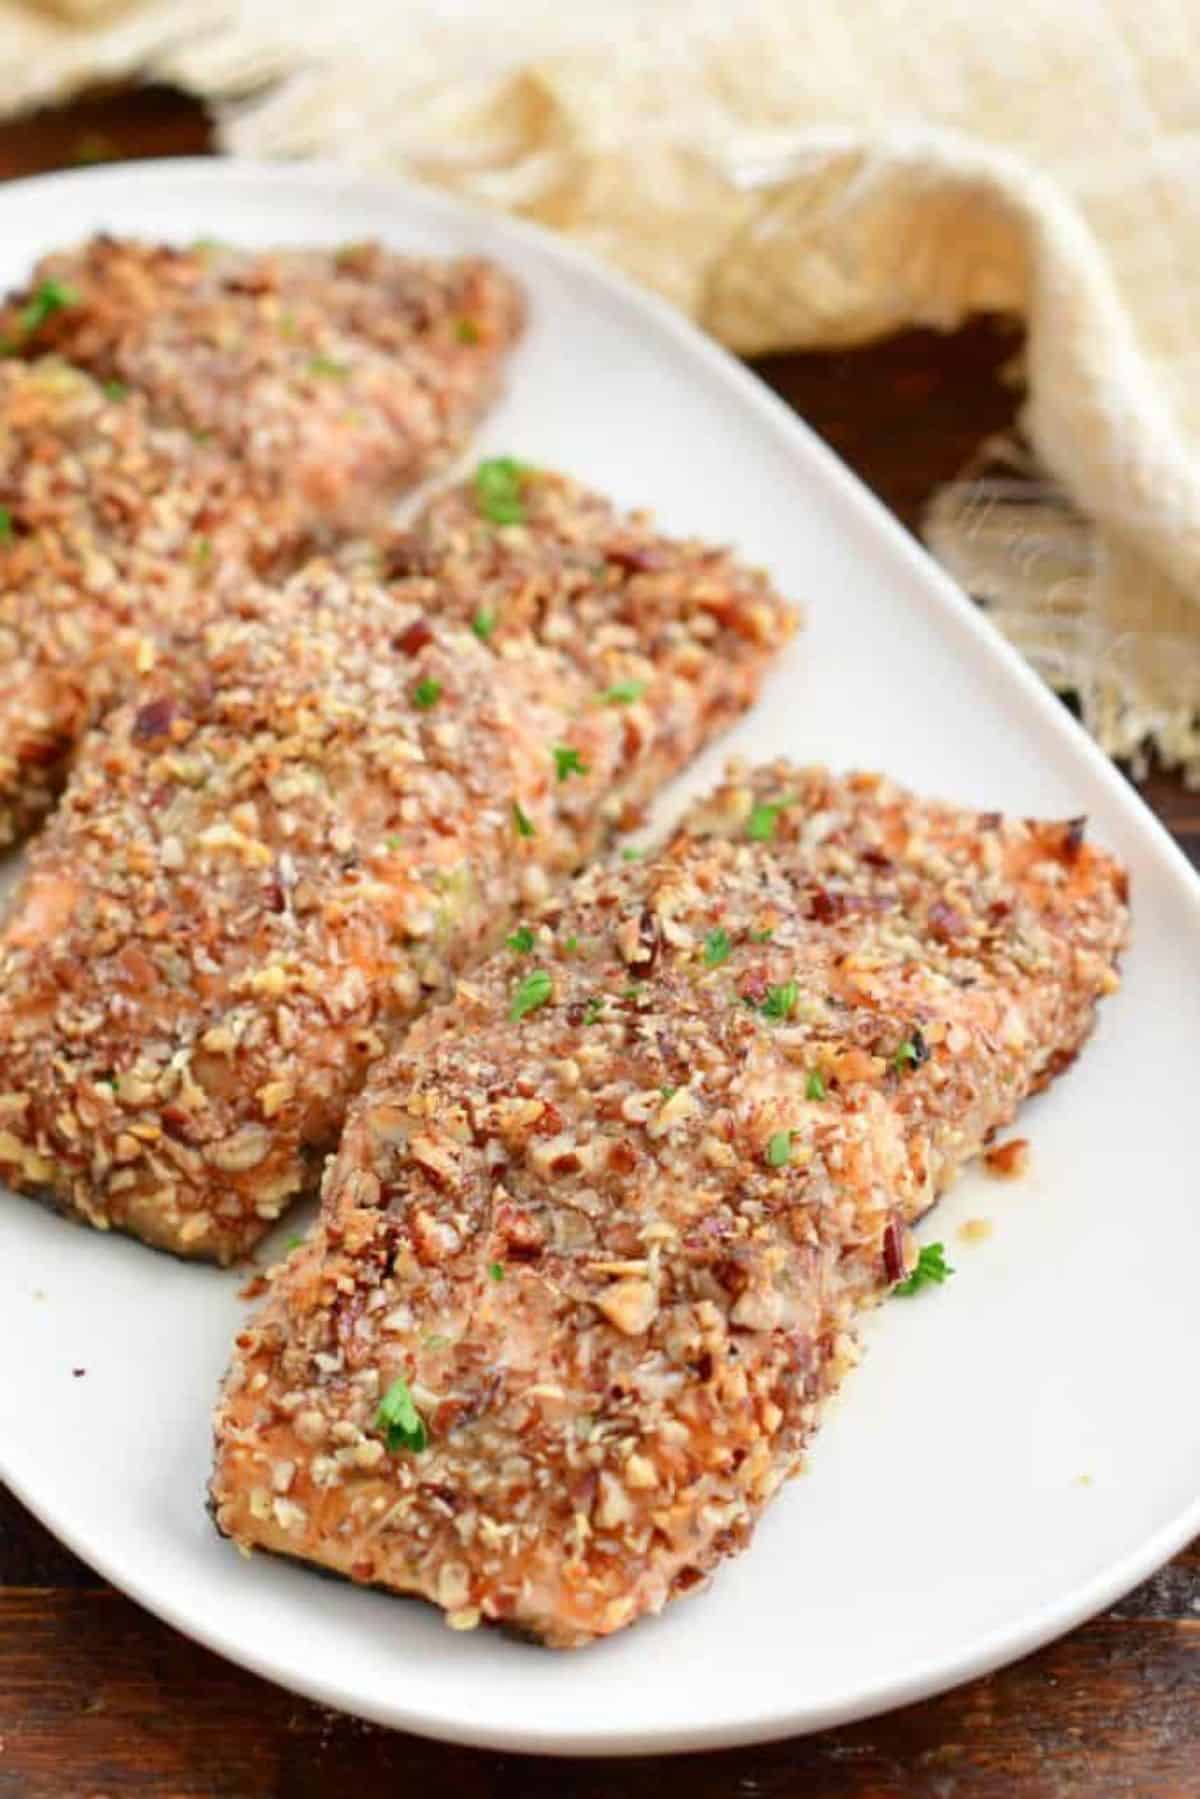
(338, 377)
(113, 531)
(266, 864)
(589, 1258)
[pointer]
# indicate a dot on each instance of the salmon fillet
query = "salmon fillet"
(590, 1256)
(112, 531)
(265, 864)
(337, 377)
(575, 572)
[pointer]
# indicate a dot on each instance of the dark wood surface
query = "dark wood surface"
(98, 1698)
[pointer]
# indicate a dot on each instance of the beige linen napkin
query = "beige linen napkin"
(815, 175)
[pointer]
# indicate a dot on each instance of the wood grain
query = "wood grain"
(99, 1699)
(96, 1697)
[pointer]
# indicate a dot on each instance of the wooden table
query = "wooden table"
(97, 1698)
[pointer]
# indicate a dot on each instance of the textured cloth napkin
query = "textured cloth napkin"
(803, 176)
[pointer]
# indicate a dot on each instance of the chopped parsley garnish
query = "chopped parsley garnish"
(668, 1092)
(568, 762)
(532, 992)
(521, 940)
(115, 390)
(779, 1149)
(592, 1010)
(201, 551)
(522, 821)
(466, 331)
(426, 694)
(814, 1087)
(634, 990)
(717, 948)
(495, 1271)
(6, 525)
(436, 1340)
(498, 490)
(760, 826)
(399, 1419)
(622, 693)
(571, 945)
(394, 842)
(911, 1053)
(931, 1270)
(483, 624)
(51, 297)
(761, 936)
(293, 1242)
(631, 853)
(780, 1000)
(328, 366)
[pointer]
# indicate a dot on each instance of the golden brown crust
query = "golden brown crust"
(581, 575)
(338, 377)
(267, 862)
(614, 1241)
(114, 531)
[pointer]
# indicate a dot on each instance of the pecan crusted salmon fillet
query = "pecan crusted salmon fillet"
(113, 530)
(590, 1255)
(265, 865)
(572, 570)
(339, 376)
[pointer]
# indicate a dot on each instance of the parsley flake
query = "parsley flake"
(495, 1271)
(399, 1419)
(293, 1242)
(779, 1149)
(571, 945)
(761, 936)
(466, 331)
(622, 693)
(911, 1053)
(717, 948)
(522, 821)
(814, 1087)
(592, 1011)
(931, 1270)
(532, 992)
(6, 525)
(51, 297)
(498, 490)
(568, 762)
(115, 390)
(760, 826)
(328, 367)
(631, 853)
(426, 694)
(483, 624)
(521, 940)
(780, 1001)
